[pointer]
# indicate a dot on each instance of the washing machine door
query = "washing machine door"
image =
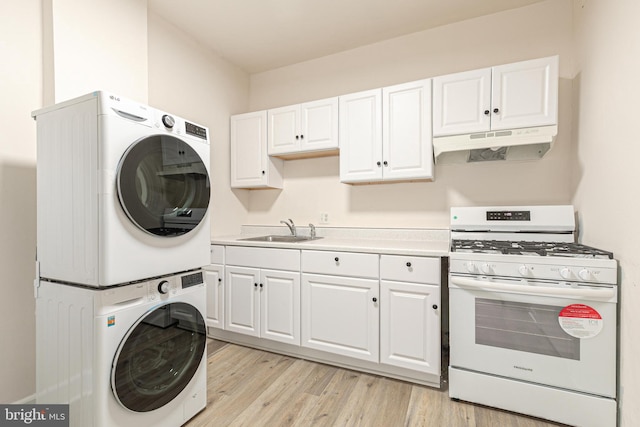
(163, 185)
(158, 357)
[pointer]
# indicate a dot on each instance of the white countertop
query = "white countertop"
(400, 241)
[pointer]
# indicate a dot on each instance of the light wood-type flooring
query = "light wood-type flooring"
(248, 387)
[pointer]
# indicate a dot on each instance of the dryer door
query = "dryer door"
(163, 185)
(158, 357)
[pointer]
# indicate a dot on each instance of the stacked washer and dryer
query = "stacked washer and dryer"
(123, 231)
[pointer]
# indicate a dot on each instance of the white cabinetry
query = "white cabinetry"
(262, 293)
(385, 134)
(304, 130)
(512, 96)
(251, 166)
(410, 312)
(340, 303)
(213, 276)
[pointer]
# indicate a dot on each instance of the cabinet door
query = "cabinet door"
(280, 306)
(215, 296)
(462, 103)
(284, 130)
(407, 149)
(410, 326)
(361, 136)
(319, 125)
(251, 167)
(525, 94)
(242, 300)
(340, 315)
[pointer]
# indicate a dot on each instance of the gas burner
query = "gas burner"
(552, 249)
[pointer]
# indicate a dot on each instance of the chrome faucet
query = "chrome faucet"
(313, 231)
(291, 226)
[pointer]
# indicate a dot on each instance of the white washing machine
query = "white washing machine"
(132, 355)
(123, 192)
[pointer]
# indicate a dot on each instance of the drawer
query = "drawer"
(341, 263)
(410, 269)
(276, 259)
(217, 254)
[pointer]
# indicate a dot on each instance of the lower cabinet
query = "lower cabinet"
(213, 275)
(263, 303)
(340, 315)
(410, 326)
(381, 311)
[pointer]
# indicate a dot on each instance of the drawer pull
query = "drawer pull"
(336, 259)
(260, 284)
(375, 299)
(435, 306)
(255, 285)
(408, 264)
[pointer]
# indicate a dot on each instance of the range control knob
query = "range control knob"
(163, 287)
(565, 273)
(523, 270)
(585, 274)
(168, 121)
(471, 267)
(485, 268)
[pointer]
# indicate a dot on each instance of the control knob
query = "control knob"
(471, 267)
(523, 270)
(168, 121)
(584, 274)
(163, 287)
(565, 273)
(485, 268)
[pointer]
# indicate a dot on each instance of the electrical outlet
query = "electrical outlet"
(324, 218)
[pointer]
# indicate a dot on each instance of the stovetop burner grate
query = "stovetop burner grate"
(557, 249)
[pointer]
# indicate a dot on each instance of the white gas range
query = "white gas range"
(533, 315)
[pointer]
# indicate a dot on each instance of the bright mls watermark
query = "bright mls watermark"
(34, 415)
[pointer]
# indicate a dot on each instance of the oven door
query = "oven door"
(546, 333)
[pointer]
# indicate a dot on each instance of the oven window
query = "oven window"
(532, 328)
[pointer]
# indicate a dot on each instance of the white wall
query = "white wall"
(192, 82)
(21, 89)
(539, 30)
(97, 45)
(608, 148)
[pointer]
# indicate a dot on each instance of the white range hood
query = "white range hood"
(517, 144)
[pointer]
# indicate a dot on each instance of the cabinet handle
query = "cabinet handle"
(495, 110)
(255, 285)
(486, 112)
(385, 163)
(336, 259)
(378, 163)
(263, 172)
(435, 306)
(219, 279)
(375, 299)
(260, 284)
(408, 264)
(297, 137)
(301, 136)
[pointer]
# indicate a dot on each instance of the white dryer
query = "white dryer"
(123, 192)
(124, 356)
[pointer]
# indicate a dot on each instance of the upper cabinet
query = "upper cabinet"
(304, 130)
(512, 96)
(385, 134)
(251, 166)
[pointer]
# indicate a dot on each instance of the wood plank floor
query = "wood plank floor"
(248, 387)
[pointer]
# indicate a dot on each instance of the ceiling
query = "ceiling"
(259, 35)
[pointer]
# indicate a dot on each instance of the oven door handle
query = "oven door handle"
(601, 293)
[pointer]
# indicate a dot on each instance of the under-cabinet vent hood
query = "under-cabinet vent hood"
(516, 144)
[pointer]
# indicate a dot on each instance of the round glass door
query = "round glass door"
(158, 357)
(163, 185)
